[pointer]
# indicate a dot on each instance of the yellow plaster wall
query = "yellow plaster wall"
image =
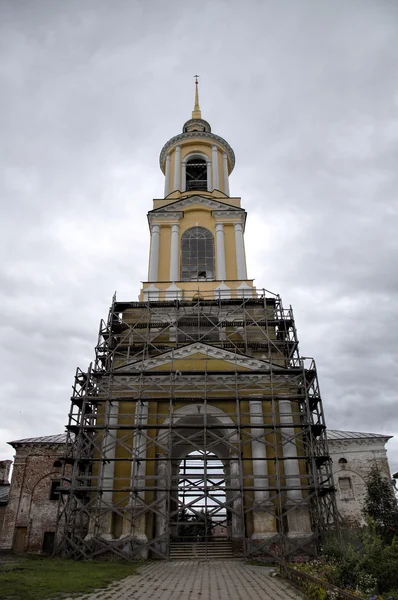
(199, 362)
(164, 253)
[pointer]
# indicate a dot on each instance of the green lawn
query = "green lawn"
(40, 578)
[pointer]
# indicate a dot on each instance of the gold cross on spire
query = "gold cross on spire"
(196, 114)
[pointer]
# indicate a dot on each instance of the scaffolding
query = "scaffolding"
(220, 383)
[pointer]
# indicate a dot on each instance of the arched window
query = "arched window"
(196, 174)
(197, 254)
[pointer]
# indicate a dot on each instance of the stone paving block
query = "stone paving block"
(197, 580)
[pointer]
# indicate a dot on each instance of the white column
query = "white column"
(240, 252)
(132, 524)
(225, 169)
(259, 451)
(289, 450)
(174, 252)
(298, 518)
(177, 168)
(235, 475)
(167, 177)
(162, 493)
(214, 154)
(183, 176)
(221, 268)
(154, 253)
(209, 182)
(109, 453)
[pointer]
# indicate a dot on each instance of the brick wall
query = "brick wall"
(29, 507)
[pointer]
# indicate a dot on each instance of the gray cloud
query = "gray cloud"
(307, 95)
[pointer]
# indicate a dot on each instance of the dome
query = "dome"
(196, 125)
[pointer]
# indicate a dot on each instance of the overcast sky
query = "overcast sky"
(306, 93)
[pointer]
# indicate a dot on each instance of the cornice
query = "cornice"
(229, 213)
(209, 202)
(341, 444)
(164, 216)
(198, 134)
(196, 381)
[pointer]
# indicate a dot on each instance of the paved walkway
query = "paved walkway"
(198, 580)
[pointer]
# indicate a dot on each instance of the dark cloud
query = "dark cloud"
(307, 95)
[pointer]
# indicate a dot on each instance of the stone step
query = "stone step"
(214, 550)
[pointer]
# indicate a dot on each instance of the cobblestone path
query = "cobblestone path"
(198, 580)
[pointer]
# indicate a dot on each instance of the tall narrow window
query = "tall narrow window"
(196, 173)
(197, 255)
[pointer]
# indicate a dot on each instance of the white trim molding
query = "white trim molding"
(198, 347)
(173, 292)
(151, 293)
(222, 291)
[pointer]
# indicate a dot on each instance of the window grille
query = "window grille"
(197, 255)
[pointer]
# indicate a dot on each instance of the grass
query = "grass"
(40, 578)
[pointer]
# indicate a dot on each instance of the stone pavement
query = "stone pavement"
(198, 580)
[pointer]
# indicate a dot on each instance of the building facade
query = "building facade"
(32, 510)
(198, 411)
(354, 454)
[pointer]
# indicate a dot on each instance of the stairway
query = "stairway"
(210, 550)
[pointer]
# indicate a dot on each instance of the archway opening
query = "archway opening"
(202, 513)
(196, 174)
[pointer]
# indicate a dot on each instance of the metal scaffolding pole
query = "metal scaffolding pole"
(222, 379)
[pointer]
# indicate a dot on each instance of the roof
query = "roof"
(59, 438)
(4, 490)
(336, 434)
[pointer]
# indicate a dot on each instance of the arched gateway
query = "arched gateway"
(198, 421)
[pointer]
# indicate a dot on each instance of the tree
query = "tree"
(380, 502)
(194, 527)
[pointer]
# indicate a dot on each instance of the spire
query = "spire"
(196, 114)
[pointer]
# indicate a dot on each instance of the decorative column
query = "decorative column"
(240, 252)
(167, 177)
(133, 525)
(183, 176)
(174, 276)
(209, 182)
(162, 493)
(225, 169)
(237, 521)
(177, 168)
(296, 510)
(263, 509)
(214, 153)
(220, 248)
(108, 455)
(154, 253)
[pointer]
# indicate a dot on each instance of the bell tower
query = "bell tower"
(198, 427)
(197, 229)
